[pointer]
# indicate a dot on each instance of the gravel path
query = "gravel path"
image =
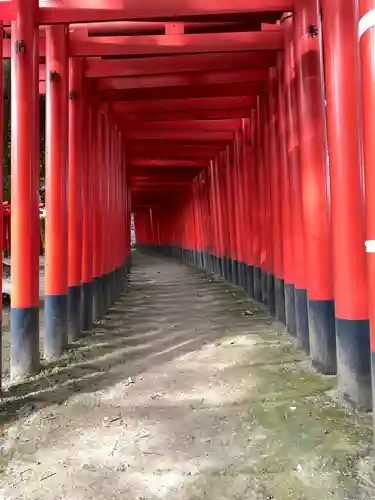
(186, 390)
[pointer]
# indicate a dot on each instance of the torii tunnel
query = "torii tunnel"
(238, 133)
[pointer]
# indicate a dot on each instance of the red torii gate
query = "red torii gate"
(185, 93)
(84, 145)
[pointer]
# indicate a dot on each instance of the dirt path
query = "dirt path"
(185, 391)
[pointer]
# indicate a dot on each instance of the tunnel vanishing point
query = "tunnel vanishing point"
(240, 135)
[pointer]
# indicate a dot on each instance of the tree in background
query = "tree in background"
(6, 122)
(7, 132)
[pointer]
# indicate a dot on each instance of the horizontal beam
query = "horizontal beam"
(166, 10)
(249, 22)
(206, 103)
(183, 126)
(172, 144)
(153, 45)
(102, 68)
(143, 116)
(197, 78)
(184, 92)
(155, 187)
(204, 155)
(175, 148)
(178, 135)
(149, 162)
(159, 184)
(168, 174)
(176, 44)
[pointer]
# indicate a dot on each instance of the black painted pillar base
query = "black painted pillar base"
(97, 298)
(250, 281)
(114, 286)
(229, 269)
(353, 362)
(226, 268)
(104, 294)
(195, 258)
(290, 309)
(280, 300)
(55, 326)
(210, 264)
(234, 264)
(245, 276)
(322, 334)
(216, 264)
(213, 263)
(74, 313)
(242, 275)
(264, 287)
(257, 284)
(86, 306)
(234, 272)
(373, 386)
(205, 261)
(201, 260)
(302, 318)
(117, 284)
(271, 293)
(25, 360)
(110, 288)
(222, 266)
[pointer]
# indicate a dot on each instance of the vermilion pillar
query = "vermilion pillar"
(237, 208)
(75, 161)
(105, 211)
(367, 48)
(56, 253)
(1, 180)
(269, 298)
(261, 198)
(315, 186)
(242, 198)
(248, 201)
(340, 22)
(256, 208)
(290, 165)
(276, 205)
(224, 214)
(36, 170)
(112, 201)
(87, 237)
(24, 216)
(230, 217)
(96, 220)
(214, 212)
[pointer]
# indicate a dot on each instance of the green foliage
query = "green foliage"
(7, 131)
(6, 128)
